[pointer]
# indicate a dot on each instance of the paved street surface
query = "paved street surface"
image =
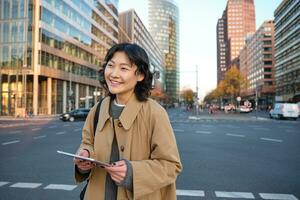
(225, 156)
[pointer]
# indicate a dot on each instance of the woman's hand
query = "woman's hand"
(82, 164)
(117, 171)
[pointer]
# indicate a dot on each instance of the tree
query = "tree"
(188, 96)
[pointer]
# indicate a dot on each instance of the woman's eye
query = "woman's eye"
(109, 65)
(124, 68)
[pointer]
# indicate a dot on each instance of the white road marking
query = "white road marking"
(277, 196)
(204, 125)
(39, 137)
(60, 133)
(52, 126)
(234, 135)
(261, 128)
(36, 129)
(78, 129)
(178, 130)
(26, 185)
(13, 132)
(237, 195)
(60, 187)
(194, 193)
(66, 125)
(204, 132)
(3, 183)
(10, 142)
(270, 139)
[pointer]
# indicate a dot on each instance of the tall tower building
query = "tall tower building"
(222, 57)
(51, 52)
(164, 28)
(239, 18)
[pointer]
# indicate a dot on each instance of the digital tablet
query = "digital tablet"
(97, 162)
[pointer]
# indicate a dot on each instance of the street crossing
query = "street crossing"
(179, 192)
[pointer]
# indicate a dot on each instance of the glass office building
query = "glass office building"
(51, 52)
(164, 28)
(287, 51)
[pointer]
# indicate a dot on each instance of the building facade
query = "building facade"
(51, 52)
(133, 30)
(164, 28)
(257, 64)
(222, 56)
(287, 46)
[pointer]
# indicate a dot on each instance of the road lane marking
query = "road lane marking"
(3, 183)
(234, 135)
(277, 196)
(36, 129)
(13, 132)
(178, 130)
(204, 132)
(66, 125)
(60, 187)
(270, 139)
(26, 185)
(78, 129)
(39, 137)
(10, 142)
(52, 126)
(60, 133)
(261, 128)
(194, 193)
(237, 195)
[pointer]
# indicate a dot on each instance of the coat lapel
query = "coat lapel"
(130, 112)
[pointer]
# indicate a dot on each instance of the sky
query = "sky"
(197, 37)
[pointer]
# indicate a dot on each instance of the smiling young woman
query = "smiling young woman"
(133, 133)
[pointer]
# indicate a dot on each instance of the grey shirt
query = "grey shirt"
(111, 188)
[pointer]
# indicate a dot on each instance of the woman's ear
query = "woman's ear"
(140, 77)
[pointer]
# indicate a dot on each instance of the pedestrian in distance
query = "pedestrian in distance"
(133, 133)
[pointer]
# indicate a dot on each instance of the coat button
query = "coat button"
(120, 124)
(122, 148)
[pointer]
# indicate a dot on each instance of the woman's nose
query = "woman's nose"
(114, 73)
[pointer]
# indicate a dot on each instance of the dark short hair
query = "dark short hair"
(138, 56)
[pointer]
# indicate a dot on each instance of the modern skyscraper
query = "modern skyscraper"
(239, 21)
(287, 51)
(164, 28)
(222, 57)
(133, 30)
(51, 52)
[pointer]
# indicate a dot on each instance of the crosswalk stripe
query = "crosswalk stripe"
(52, 126)
(26, 185)
(78, 129)
(3, 183)
(238, 195)
(277, 196)
(13, 132)
(36, 129)
(60, 187)
(194, 193)
(60, 133)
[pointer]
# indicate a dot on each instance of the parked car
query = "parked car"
(285, 110)
(78, 114)
(244, 109)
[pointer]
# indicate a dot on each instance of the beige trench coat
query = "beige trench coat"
(145, 138)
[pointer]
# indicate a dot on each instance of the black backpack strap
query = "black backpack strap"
(97, 115)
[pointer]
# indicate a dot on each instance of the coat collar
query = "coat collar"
(127, 116)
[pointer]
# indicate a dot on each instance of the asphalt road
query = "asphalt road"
(235, 156)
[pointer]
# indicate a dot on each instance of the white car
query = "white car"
(244, 109)
(285, 110)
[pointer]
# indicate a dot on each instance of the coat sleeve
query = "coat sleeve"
(87, 141)
(164, 163)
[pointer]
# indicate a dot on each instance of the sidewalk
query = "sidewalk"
(34, 118)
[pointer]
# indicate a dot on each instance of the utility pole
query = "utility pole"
(197, 106)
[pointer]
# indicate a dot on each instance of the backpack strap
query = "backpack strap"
(97, 115)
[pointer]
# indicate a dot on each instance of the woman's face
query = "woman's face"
(121, 77)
